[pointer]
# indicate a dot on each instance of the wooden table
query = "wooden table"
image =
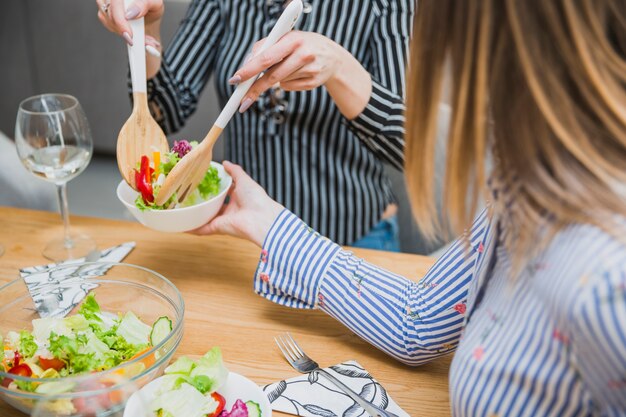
(214, 275)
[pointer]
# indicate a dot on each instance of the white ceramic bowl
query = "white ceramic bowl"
(237, 387)
(180, 219)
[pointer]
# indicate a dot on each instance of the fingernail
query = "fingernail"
(245, 105)
(236, 79)
(127, 38)
(153, 51)
(132, 12)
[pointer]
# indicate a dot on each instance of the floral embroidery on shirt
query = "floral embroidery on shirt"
(320, 298)
(617, 383)
(264, 254)
(535, 267)
(478, 353)
(446, 347)
(412, 314)
(264, 277)
(561, 337)
(496, 320)
(481, 247)
(460, 308)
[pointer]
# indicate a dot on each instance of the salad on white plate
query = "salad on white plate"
(200, 388)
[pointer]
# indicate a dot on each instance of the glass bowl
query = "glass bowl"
(119, 288)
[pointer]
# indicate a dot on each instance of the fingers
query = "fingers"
(117, 16)
(302, 84)
(214, 227)
(139, 8)
(273, 76)
(262, 61)
(117, 13)
(153, 47)
(235, 171)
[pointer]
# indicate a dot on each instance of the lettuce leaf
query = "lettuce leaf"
(28, 347)
(210, 184)
(133, 330)
(185, 401)
(183, 366)
(90, 308)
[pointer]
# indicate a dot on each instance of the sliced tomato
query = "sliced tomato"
(20, 370)
(54, 363)
(143, 180)
(221, 403)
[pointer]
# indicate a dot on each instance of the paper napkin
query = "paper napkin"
(45, 284)
(313, 395)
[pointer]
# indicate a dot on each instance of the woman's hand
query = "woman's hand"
(250, 212)
(114, 16)
(302, 61)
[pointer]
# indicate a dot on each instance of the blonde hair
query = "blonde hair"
(540, 85)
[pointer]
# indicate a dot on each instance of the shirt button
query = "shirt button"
(270, 2)
(308, 8)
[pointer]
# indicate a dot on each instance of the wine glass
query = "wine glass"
(53, 141)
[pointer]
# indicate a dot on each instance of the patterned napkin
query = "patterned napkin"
(313, 395)
(49, 289)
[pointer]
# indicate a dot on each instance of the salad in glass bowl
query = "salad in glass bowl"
(200, 206)
(89, 341)
(59, 341)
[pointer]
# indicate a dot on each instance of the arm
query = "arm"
(413, 322)
(174, 90)
(380, 124)
(598, 340)
(176, 80)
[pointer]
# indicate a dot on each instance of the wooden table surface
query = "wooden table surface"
(214, 275)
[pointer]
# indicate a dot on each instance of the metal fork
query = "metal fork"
(304, 364)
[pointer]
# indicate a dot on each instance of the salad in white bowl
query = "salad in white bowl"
(198, 208)
(199, 388)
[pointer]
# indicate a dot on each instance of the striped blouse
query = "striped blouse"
(297, 145)
(550, 341)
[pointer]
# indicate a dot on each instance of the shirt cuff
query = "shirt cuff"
(384, 110)
(293, 263)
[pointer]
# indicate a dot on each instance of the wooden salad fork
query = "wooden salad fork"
(189, 171)
(304, 364)
(141, 134)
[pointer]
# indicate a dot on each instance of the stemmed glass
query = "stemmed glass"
(53, 141)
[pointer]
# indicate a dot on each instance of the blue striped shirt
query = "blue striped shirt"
(547, 341)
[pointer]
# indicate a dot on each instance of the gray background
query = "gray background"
(51, 46)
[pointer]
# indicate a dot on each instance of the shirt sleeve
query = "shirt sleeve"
(412, 321)
(186, 66)
(381, 124)
(598, 340)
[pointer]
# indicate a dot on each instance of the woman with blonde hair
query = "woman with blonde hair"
(532, 297)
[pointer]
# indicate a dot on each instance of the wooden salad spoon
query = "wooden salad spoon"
(141, 134)
(191, 169)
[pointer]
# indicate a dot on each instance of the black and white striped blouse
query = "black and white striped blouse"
(297, 145)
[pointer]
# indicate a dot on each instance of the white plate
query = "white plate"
(237, 387)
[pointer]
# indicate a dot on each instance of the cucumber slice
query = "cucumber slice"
(254, 409)
(160, 329)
